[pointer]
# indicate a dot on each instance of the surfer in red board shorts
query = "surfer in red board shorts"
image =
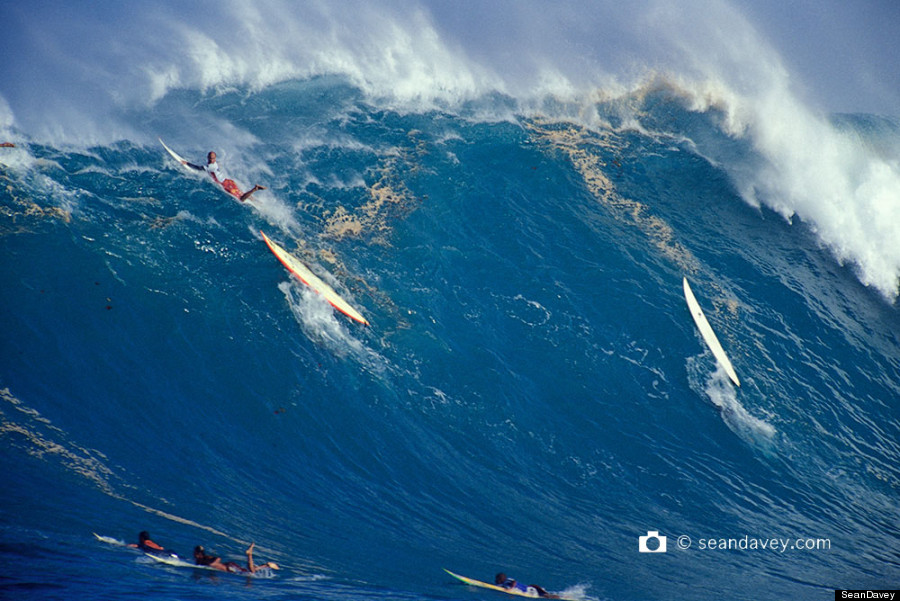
(212, 167)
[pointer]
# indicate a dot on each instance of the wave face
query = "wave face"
(532, 395)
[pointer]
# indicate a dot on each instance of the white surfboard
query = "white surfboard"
(708, 335)
(110, 540)
(177, 562)
(303, 273)
(175, 155)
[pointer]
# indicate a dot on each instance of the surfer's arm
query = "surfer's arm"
(212, 174)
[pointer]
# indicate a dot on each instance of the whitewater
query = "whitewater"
(511, 196)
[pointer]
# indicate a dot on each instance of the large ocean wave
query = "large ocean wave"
(412, 57)
(513, 210)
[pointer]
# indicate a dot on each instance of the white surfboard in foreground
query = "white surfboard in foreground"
(708, 335)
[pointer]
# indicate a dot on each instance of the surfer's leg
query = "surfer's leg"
(249, 553)
(247, 194)
(251, 567)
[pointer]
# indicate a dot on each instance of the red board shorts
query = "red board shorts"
(232, 188)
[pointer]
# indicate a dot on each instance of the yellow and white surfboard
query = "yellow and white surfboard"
(303, 273)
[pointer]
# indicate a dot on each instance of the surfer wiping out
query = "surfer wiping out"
(202, 559)
(218, 175)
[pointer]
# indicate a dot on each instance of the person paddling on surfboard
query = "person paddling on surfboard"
(218, 175)
(146, 545)
(202, 559)
(531, 590)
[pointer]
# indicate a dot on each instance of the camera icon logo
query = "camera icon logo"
(657, 542)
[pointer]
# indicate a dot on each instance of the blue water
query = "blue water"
(532, 395)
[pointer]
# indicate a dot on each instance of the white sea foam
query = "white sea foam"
(324, 326)
(718, 388)
(412, 51)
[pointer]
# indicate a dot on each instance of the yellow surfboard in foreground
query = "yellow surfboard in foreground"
(494, 587)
